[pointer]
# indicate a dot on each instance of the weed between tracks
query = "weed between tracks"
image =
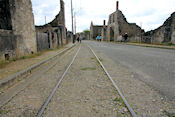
(3, 111)
(169, 114)
(88, 68)
(120, 100)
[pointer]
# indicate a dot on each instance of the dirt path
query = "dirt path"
(86, 92)
(19, 65)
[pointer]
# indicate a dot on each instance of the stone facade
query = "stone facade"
(16, 25)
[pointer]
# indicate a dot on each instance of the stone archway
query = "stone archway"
(111, 34)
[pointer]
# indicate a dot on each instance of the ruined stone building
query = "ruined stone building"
(95, 30)
(163, 34)
(54, 33)
(118, 25)
(18, 34)
(17, 30)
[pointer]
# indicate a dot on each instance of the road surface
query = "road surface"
(154, 66)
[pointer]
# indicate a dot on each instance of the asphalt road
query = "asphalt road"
(154, 66)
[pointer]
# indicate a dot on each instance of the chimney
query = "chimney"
(117, 5)
(104, 22)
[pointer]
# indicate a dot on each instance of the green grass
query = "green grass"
(101, 59)
(119, 99)
(2, 111)
(169, 114)
(88, 69)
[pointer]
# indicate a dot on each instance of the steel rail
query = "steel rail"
(57, 85)
(115, 85)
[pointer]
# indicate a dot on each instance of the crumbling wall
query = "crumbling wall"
(55, 30)
(17, 31)
(59, 21)
(165, 33)
(118, 25)
(23, 24)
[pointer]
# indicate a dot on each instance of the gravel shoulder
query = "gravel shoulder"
(140, 96)
(86, 92)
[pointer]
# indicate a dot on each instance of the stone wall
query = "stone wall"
(42, 41)
(23, 24)
(5, 17)
(7, 45)
(173, 37)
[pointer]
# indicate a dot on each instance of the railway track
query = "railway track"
(40, 113)
(18, 82)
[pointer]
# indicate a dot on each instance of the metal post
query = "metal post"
(75, 23)
(72, 21)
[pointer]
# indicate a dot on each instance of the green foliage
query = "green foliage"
(86, 32)
(14, 59)
(170, 44)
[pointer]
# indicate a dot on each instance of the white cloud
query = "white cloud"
(149, 13)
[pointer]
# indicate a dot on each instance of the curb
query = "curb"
(152, 46)
(17, 75)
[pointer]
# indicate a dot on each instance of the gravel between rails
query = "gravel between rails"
(28, 102)
(86, 92)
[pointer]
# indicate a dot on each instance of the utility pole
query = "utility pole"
(75, 23)
(72, 21)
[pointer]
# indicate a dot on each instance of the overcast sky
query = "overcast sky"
(149, 14)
